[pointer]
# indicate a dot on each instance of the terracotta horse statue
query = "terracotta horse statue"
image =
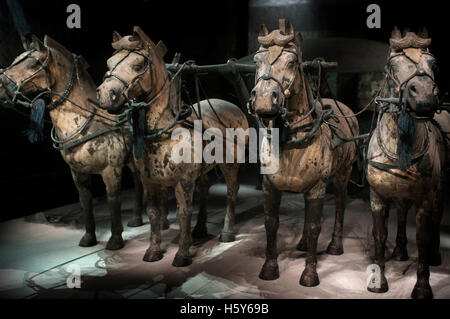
(309, 158)
(90, 139)
(137, 73)
(406, 158)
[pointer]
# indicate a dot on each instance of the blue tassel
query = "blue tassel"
(406, 131)
(35, 131)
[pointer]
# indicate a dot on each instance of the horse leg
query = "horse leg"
(379, 214)
(136, 220)
(230, 172)
(340, 194)
(184, 192)
(154, 252)
(83, 185)
(200, 229)
(313, 215)
(112, 177)
(272, 198)
(302, 246)
(400, 252)
(438, 208)
(164, 208)
(422, 289)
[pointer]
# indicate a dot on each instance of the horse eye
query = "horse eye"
(137, 67)
(290, 64)
(32, 64)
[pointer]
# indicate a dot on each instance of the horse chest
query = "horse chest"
(301, 169)
(95, 155)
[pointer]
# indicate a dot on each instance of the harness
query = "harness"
(401, 86)
(14, 89)
(322, 116)
(400, 108)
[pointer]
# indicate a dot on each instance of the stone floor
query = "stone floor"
(36, 251)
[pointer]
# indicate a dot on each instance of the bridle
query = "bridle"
(128, 85)
(269, 77)
(399, 109)
(401, 86)
(14, 88)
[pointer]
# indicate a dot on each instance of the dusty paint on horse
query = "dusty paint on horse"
(137, 71)
(305, 168)
(410, 71)
(105, 155)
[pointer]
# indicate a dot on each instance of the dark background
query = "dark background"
(34, 177)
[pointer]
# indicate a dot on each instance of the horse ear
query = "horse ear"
(139, 33)
(405, 31)
(36, 43)
(116, 36)
(395, 34)
(423, 33)
(83, 62)
(263, 30)
(286, 27)
(298, 38)
(53, 44)
(161, 49)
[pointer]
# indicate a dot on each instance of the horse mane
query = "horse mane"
(409, 40)
(283, 36)
(84, 78)
(138, 40)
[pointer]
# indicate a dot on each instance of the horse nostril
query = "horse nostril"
(436, 91)
(113, 94)
(274, 95)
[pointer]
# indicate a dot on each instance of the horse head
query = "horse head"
(278, 70)
(37, 71)
(133, 71)
(410, 68)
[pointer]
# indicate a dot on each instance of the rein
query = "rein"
(62, 97)
(399, 108)
(322, 117)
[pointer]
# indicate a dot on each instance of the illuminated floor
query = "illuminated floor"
(35, 254)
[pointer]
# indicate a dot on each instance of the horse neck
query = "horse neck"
(298, 103)
(66, 116)
(159, 113)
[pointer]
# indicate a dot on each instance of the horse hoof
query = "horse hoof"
(335, 249)
(181, 261)
(269, 271)
(302, 245)
(400, 254)
(436, 259)
(227, 237)
(309, 278)
(88, 240)
(422, 292)
(135, 222)
(115, 243)
(199, 232)
(152, 256)
(165, 224)
(382, 288)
